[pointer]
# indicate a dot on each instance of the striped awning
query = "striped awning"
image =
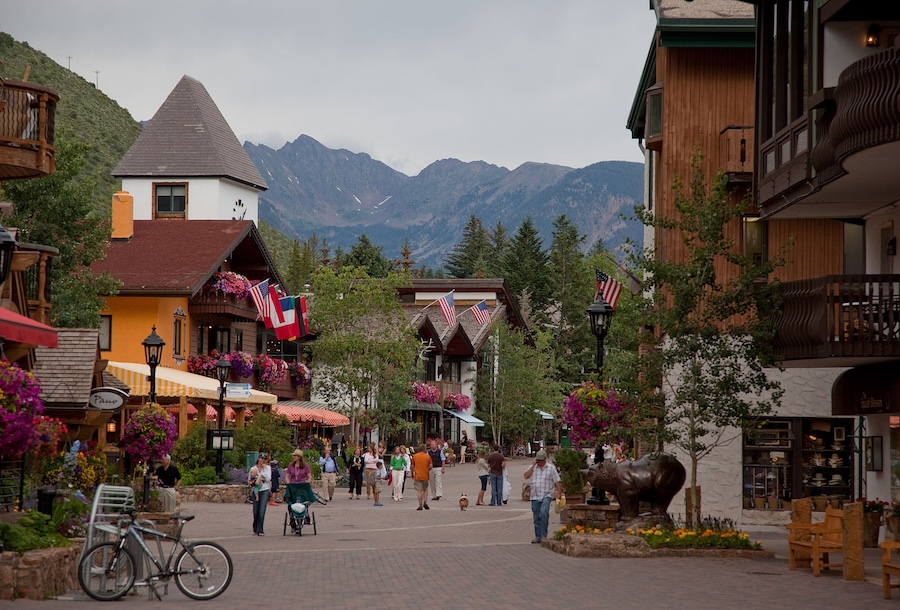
(213, 412)
(299, 411)
(174, 382)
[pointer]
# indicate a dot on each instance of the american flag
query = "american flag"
(259, 293)
(607, 288)
(482, 313)
(447, 308)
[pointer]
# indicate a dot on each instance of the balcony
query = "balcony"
(839, 320)
(220, 303)
(27, 125)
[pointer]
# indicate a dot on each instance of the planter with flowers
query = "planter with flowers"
(458, 402)
(597, 414)
(892, 519)
(148, 435)
(269, 371)
(425, 392)
(300, 374)
(873, 518)
(228, 283)
(20, 410)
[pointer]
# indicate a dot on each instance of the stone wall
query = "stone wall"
(222, 494)
(39, 574)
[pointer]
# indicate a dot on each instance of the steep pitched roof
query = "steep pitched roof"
(179, 256)
(189, 137)
(67, 372)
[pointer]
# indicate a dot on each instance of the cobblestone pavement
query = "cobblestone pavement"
(397, 557)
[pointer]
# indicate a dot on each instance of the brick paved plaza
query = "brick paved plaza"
(397, 557)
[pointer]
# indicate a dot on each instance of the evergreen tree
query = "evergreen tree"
(58, 211)
(525, 267)
(368, 256)
(462, 261)
(499, 242)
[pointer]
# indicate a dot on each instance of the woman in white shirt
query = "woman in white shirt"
(370, 458)
(261, 500)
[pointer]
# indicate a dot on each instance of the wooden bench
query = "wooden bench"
(889, 567)
(812, 544)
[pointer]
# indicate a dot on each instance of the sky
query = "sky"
(407, 81)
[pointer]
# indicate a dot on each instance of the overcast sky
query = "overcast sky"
(406, 81)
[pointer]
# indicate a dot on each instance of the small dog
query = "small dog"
(463, 502)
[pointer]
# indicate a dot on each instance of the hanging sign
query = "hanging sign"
(107, 399)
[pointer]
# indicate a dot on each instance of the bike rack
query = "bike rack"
(110, 501)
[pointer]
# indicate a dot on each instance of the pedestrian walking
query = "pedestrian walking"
(375, 478)
(355, 466)
(545, 487)
(261, 499)
(329, 472)
(437, 470)
(398, 470)
(463, 445)
(407, 459)
(370, 459)
(276, 482)
(298, 471)
(496, 464)
(421, 466)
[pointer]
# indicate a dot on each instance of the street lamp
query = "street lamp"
(601, 316)
(223, 366)
(152, 354)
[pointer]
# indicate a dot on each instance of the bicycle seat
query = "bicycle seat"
(184, 518)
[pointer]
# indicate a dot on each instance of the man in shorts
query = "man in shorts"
(421, 464)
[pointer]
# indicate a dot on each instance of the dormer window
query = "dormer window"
(171, 200)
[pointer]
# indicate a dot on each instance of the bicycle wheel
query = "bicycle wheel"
(320, 499)
(203, 570)
(106, 572)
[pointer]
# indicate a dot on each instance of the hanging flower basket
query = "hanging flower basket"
(458, 402)
(425, 392)
(150, 433)
(300, 374)
(597, 414)
(241, 364)
(269, 371)
(20, 406)
(228, 282)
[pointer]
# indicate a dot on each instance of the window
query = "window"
(178, 324)
(105, 333)
(754, 234)
(171, 199)
(238, 340)
(654, 129)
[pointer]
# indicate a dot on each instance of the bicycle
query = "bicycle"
(202, 570)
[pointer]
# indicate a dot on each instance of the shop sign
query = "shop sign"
(107, 399)
(867, 390)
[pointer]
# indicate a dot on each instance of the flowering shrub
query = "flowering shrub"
(425, 392)
(228, 282)
(203, 364)
(874, 506)
(79, 468)
(459, 402)
(269, 370)
(300, 373)
(20, 404)
(703, 537)
(597, 414)
(241, 363)
(50, 432)
(149, 433)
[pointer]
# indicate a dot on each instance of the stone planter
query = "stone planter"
(871, 528)
(41, 573)
(893, 526)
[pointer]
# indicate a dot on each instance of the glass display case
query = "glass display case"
(827, 463)
(767, 471)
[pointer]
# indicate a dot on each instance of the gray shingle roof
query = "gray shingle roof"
(189, 137)
(67, 372)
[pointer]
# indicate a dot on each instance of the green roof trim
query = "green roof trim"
(635, 122)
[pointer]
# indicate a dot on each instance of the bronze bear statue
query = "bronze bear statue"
(653, 479)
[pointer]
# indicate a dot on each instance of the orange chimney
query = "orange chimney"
(122, 215)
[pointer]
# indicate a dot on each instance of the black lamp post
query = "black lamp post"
(601, 316)
(223, 367)
(152, 354)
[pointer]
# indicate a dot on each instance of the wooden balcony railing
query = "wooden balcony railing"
(27, 126)
(840, 316)
(222, 303)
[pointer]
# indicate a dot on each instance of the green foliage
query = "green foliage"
(467, 258)
(267, 432)
(57, 211)
(525, 267)
(715, 322)
(190, 450)
(34, 530)
(312, 458)
(366, 255)
(200, 476)
(365, 338)
(508, 394)
(570, 462)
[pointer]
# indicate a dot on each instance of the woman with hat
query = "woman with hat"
(298, 471)
(261, 499)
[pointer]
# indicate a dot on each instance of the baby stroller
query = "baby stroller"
(298, 497)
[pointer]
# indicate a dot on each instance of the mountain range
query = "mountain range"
(339, 195)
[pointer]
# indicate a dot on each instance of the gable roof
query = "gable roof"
(67, 372)
(179, 256)
(188, 137)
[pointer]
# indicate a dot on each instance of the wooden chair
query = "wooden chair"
(889, 567)
(814, 543)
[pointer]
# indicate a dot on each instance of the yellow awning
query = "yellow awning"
(173, 382)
